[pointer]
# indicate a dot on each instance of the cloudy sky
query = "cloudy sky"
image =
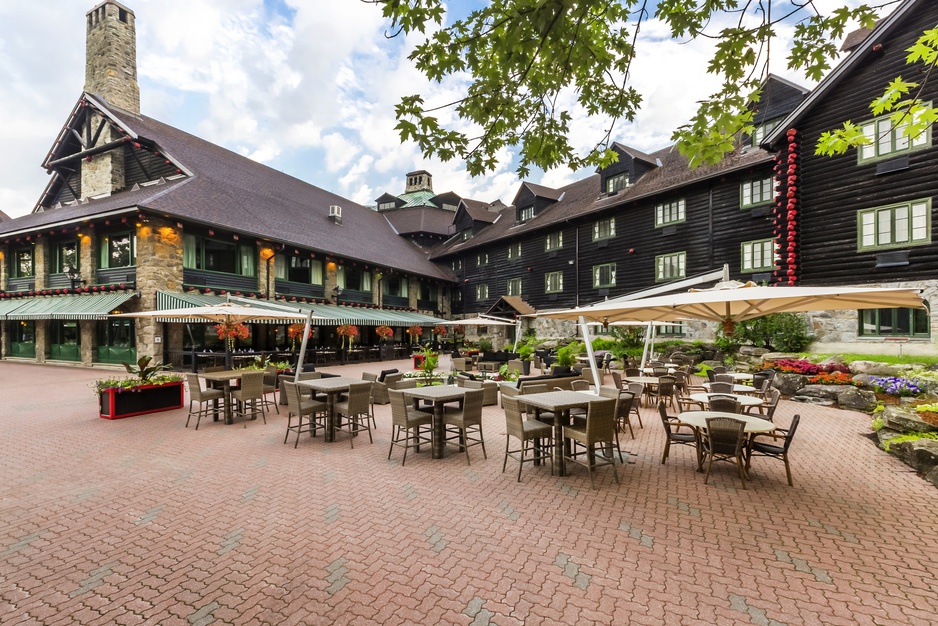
(305, 86)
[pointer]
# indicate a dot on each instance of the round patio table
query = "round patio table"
(743, 400)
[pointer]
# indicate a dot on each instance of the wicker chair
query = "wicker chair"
(270, 387)
(617, 380)
(719, 369)
(461, 364)
(760, 448)
(599, 429)
(684, 403)
(675, 436)
(759, 380)
(638, 392)
(724, 378)
(407, 426)
(310, 414)
(623, 408)
(767, 410)
(632, 371)
(526, 431)
(664, 390)
(721, 387)
(355, 409)
(490, 387)
(725, 440)
(724, 404)
(202, 397)
(462, 425)
(379, 390)
(251, 393)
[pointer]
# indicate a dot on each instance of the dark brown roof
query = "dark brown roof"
(3, 216)
(519, 305)
(583, 196)
(233, 192)
(855, 38)
(540, 191)
(422, 219)
(481, 211)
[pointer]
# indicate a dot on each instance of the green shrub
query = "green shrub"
(877, 424)
(909, 437)
(785, 332)
(485, 344)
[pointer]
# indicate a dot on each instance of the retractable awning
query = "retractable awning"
(8, 306)
(71, 307)
(329, 314)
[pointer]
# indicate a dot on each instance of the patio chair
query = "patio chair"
(664, 390)
(310, 414)
(490, 387)
(711, 375)
(724, 404)
(355, 409)
(251, 393)
(632, 371)
(674, 436)
(464, 427)
(599, 430)
(537, 434)
(623, 408)
(684, 403)
(407, 426)
(721, 387)
(761, 448)
(637, 390)
(725, 440)
(659, 370)
(270, 387)
(767, 410)
(719, 369)
(759, 381)
(205, 398)
(461, 364)
(724, 378)
(617, 380)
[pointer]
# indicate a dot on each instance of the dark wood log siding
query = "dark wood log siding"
(834, 189)
(624, 164)
(141, 166)
(64, 192)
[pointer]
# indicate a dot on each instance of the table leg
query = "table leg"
(329, 435)
(229, 418)
(558, 450)
(439, 442)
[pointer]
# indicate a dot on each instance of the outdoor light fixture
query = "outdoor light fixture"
(336, 292)
(74, 276)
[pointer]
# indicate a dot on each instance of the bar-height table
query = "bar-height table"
(559, 403)
(439, 395)
(224, 377)
(332, 387)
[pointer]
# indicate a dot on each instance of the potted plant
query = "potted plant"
(146, 391)
(565, 359)
(526, 354)
(428, 366)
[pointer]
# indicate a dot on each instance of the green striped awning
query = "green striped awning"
(71, 307)
(332, 314)
(8, 306)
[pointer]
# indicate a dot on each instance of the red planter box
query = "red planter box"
(117, 403)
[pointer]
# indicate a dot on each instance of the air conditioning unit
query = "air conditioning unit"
(335, 211)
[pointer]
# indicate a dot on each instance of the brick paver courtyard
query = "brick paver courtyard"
(142, 521)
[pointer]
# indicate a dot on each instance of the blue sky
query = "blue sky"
(304, 86)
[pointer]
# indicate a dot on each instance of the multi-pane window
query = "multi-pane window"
(467, 234)
(755, 192)
(554, 241)
(384, 206)
(669, 212)
(757, 256)
(526, 213)
(604, 275)
(514, 286)
(428, 292)
(482, 259)
(456, 265)
(670, 266)
(299, 269)
(894, 323)
(604, 229)
(66, 256)
(758, 135)
(553, 282)
(903, 224)
(204, 253)
(514, 250)
(21, 264)
(353, 278)
(670, 329)
(482, 292)
(397, 286)
(118, 250)
(886, 138)
(617, 182)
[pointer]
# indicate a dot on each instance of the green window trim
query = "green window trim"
(757, 256)
(899, 225)
(604, 229)
(759, 133)
(755, 192)
(604, 275)
(525, 214)
(887, 140)
(553, 282)
(116, 257)
(670, 267)
(22, 263)
(897, 322)
(673, 212)
(514, 250)
(66, 253)
(617, 182)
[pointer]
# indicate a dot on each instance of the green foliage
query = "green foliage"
(143, 370)
(786, 332)
(927, 408)
(485, 344)
(428, 366)
(601, 343)
(521, 64)
(129, 384)
(525, 352)
(877, 424)
(505, 375)
(566, 356)
(727, 344)
(909, 437)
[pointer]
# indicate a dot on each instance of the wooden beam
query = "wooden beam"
(86, 153)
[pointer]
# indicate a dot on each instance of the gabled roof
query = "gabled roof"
(480, 211)
(507, 304)
(423, 219)
(424, 197)
(540, 191)
(636, 154)
(833, 78)
(233, 192)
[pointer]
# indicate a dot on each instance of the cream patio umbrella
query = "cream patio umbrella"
(731, 302)
(484, 321)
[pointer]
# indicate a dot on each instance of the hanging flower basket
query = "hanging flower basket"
(414, 333)
(439, 329)
(295, 331)
(230, 331)
(347, 332)
(384, 331)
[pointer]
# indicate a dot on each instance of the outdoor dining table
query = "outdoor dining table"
(331, 387)
(738, 376)
(645, 380)
(225, 377)
(740, 389)
(559, 403)
(698, 420)
(745, 401)
(439, 395)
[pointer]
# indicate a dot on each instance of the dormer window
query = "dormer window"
(758, 135)
(467, 234)
(617, 182)
(526, 213)
(385, 206)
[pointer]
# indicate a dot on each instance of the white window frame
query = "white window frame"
(757, 255)
(525, 214)
(670, 267)
(748, 189)
(617, 182)
(895, 225)
(557, 279)
(763, 129)
(672, 212)
(514, 287)
(604, 228)
(598, 270)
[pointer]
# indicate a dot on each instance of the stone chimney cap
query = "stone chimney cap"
(114, 2)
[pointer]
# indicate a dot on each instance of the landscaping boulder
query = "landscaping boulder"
(814, 400)
(752, 351)
(921, 454)
(904, 421)
(789, 383)
(821, 391)
(771, 357)
(832, 360)
(882, 369)
(856, 399)
(865, 367)
(932, 476)
(863, 379)
(711, 363)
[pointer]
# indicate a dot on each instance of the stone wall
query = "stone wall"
(111, 56)
(159, 267)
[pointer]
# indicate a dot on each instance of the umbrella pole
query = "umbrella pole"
(299, 358)
(589, 352)
(645, 346)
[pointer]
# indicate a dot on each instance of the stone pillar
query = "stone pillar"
(266, 271)
(330, 279)
(88, 255)
(413, 289)
(377, 278)
(159, 267)
(4, 266)
(42, 340)
(88, 339)
(41, 263)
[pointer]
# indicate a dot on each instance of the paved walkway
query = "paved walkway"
(142, 521)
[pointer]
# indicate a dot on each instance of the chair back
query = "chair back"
(270, 375)
(309, 376)
(723, 378)
(294, 402)
(579, 385)
(370, 377)
(534, 389)
(359, 396)
(514, 420)
(721, 387)
(790, 434)
(769, 372)
(399, 408)
(632, 371)
(710, 375)
(666, 385)
(601, 420)
(724, 404)
(665, 418)
(725, 435)
(391, 380)
(195, 387)
(659, 371)
(758, 381)
(623, 399)
(655, 363)
(515, 365)
(719, 369)
(680, 380)
(472, 406)
(459, 364)
(617, 379)
(252, 384)
(771, 403)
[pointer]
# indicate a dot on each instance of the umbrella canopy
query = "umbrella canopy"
(477, 321)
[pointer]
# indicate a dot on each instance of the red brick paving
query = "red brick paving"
(142, 521)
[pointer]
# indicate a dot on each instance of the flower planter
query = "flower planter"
(118, 403)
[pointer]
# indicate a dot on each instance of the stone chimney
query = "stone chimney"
(111, 55)
(419, 181)
(111, 73)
